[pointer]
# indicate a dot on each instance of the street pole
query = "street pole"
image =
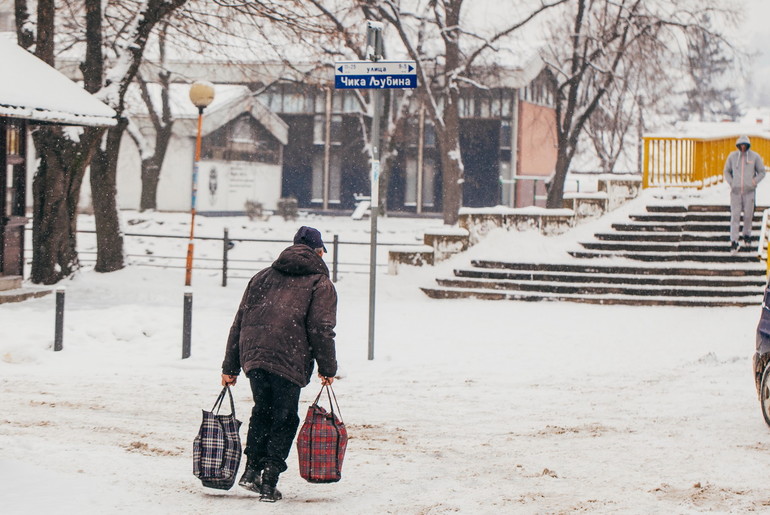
(193, 198)
(374, 50)
(201, 95)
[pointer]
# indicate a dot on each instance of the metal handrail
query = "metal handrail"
(687, 162)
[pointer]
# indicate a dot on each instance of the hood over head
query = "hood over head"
(743, 140)
(300, 260)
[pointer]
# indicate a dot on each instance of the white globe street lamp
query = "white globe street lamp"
(201, 95)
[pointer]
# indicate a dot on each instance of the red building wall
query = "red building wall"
(536, 145)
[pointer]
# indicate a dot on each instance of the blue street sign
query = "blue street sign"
(375, 75)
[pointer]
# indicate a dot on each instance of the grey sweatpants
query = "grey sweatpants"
(741, 203)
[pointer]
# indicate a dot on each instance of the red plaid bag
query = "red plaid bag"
(322, 442)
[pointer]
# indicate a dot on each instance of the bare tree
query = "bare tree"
(63, 161)
(114, 35)
(442, 71)
(606, 38)
(152, 156)
(226, 32)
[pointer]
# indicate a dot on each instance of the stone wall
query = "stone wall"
(476, 223)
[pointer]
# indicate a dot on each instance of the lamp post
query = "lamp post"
(201, 95)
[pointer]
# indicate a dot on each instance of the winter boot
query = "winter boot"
(251, 480)
(268, 492)
(746, 241)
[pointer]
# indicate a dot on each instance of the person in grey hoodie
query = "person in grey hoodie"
(743, 171)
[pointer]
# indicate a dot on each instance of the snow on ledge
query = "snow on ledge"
(410, 248)
(581, 195)
(447, 231)
(504, 210)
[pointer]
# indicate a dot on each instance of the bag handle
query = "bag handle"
(221, 398)
(330, 394)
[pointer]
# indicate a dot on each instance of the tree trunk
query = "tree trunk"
(449, 143)
(109, 237)
(152, 166)
(150, 179)
(555, 199)
(56, 189)
(451, 164)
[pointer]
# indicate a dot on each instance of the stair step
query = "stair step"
(677, 227)
(714, 257)
(696, 208)
(597, 268)
(608, 277)
(10, 282)
(667, 236)
(687, 218)
(456, 293)
(22, 294)
(643, 246)
(674, 208)
(718, 208)
(598, 288)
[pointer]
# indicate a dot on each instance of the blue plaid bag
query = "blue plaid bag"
(217, 448)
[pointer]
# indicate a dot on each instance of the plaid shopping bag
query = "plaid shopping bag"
(217, 447)
(322, 442)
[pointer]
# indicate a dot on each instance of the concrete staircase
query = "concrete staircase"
(11, 290)
(669, 255)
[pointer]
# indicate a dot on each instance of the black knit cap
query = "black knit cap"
(310, 237)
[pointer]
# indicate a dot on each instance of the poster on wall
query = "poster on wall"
(226, 187)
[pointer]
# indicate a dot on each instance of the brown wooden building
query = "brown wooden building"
(32, 94)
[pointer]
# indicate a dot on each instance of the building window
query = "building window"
(243, 139)
(428, 182)
(335, 178)
(430, 136)
(12, 140)
(319, 130)
(505, 134)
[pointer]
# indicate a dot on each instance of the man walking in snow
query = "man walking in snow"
(284, 323)
(743, 171)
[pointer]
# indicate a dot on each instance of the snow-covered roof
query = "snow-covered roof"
(230, 101)
(33, 90)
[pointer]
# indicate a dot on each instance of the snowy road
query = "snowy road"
(468, 407)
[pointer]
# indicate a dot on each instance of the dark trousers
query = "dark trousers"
(274, 419)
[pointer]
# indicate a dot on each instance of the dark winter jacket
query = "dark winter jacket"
(286, 320)
(743, 170)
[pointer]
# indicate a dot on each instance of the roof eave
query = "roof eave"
(56, 117)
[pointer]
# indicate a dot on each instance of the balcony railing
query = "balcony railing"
(692, 162)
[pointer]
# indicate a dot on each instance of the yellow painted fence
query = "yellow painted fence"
(692, 162)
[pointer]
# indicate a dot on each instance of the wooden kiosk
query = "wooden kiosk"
(34, 94)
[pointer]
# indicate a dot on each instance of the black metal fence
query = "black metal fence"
(216, 253)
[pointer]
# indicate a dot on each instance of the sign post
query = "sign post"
(376, 75)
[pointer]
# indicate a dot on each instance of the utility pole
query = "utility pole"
(374, 74)
(374, 54)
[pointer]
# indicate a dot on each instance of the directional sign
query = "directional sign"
(375, 75)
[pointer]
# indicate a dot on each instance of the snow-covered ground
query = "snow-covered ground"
(469, 406)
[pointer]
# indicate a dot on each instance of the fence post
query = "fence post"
(58, 341)
(335, 259)
(187, 325)
(226, 246)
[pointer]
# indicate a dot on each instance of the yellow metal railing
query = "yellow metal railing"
(691, 162)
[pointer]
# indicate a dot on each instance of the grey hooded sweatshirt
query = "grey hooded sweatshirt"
(744, 170)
